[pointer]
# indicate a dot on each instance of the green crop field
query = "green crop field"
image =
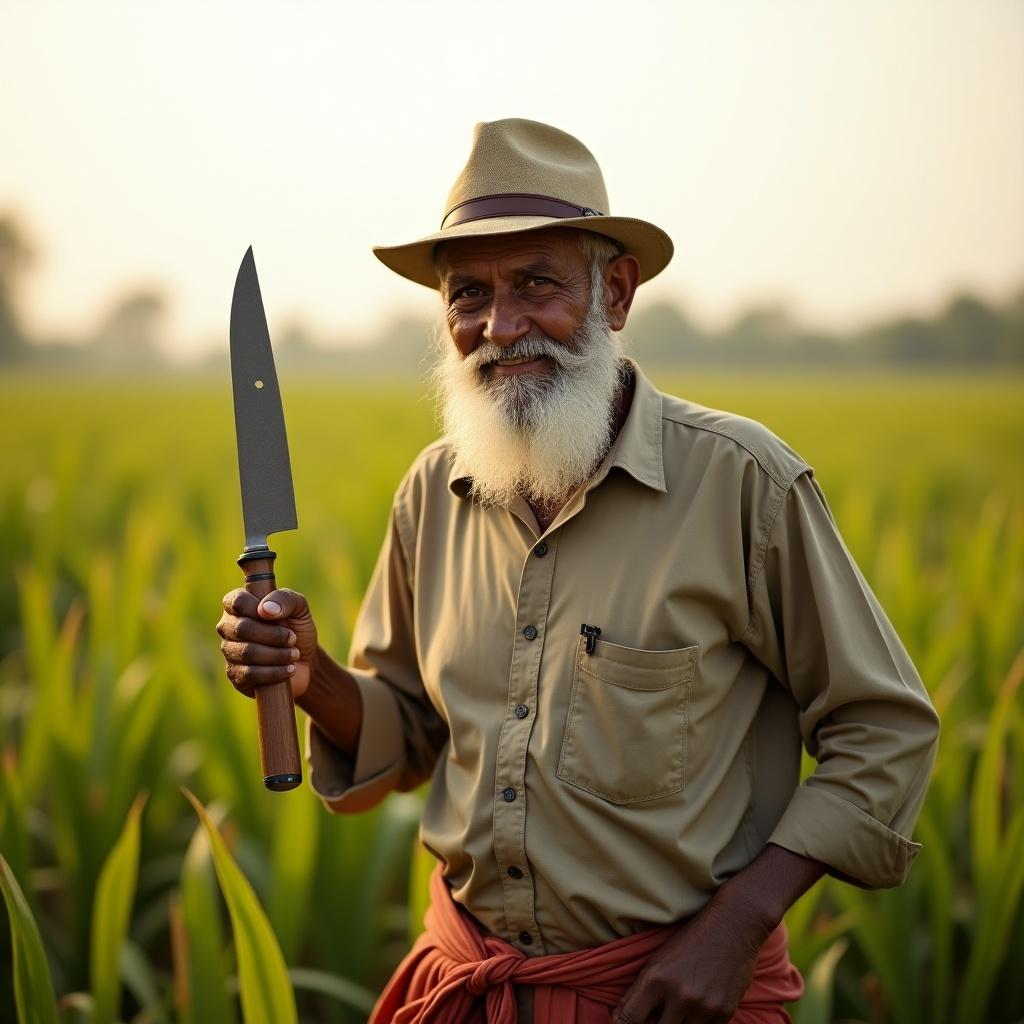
(120, 519)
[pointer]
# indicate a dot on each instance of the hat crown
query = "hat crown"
(517, 156)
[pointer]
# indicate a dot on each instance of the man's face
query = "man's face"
(502, 289)
(528, 366)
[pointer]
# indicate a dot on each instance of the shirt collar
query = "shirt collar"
(637, 449)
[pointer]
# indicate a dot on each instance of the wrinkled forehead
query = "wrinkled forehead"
(558, 246)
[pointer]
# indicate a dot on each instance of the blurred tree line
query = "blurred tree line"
(968, 331)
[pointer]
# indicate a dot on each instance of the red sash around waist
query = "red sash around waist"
(457, 974)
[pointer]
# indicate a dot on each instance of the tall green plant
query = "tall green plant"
(33, 986)
(997, 859)
(266, 992)
(111, 914)
(201, 970)
(121, 543)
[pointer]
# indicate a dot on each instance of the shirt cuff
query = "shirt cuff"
(346, 785)
(846, 839)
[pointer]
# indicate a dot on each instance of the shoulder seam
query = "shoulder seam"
(756, 452)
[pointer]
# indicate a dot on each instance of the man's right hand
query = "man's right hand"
(267, 640)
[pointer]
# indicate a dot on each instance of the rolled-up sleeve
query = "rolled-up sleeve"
(401, 733)
(864, 713)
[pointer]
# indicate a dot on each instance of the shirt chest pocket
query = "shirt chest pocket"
(625, 731)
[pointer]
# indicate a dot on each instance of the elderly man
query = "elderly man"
(602, 623)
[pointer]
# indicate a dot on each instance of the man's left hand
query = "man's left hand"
(700, 973)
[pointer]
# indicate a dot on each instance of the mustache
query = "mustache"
(529, 347)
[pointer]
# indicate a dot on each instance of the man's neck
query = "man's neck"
(547, 511)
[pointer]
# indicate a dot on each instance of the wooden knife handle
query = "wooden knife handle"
(275, 709)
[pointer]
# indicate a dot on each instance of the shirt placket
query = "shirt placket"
(511, 799)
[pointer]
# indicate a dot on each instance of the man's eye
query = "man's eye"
(540, 281)
(469, 292)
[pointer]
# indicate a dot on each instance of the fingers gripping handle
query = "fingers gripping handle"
(275, 710)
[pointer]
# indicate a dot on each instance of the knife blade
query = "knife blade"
(268, 501)
(264, 468)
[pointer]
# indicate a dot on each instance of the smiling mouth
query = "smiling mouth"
(517, 360)
(519, 364)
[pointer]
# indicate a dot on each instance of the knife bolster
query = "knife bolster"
(254, 554)
(258, 566)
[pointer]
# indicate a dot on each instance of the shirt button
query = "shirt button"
(525, 938)
(514, 872)
(530, 632)
(522, 711)
(509, 794)
(541, 550)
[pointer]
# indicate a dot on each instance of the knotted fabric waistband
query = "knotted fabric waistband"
(457, 974)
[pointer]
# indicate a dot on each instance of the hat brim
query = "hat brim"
(415, 260)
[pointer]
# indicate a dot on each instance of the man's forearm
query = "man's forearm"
(768, 886)
(333, 701)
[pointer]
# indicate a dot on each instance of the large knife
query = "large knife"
(268, 501)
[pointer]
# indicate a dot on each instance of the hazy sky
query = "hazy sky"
(849, 158)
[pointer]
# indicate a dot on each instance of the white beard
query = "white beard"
(532, 434)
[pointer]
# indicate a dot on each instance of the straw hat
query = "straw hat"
(523, 175)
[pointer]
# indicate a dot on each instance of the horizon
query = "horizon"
(849, 164)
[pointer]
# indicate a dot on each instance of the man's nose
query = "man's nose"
(506, 321)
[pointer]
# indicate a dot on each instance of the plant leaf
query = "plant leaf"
(14, 835)
(33, 986)
(199, 963)
(345, 991)
(296, 838)
(993, 922)
(115, 894)
(986, 829)
(266, 992)
(139, 977)
(940, 880)
(815, 1007)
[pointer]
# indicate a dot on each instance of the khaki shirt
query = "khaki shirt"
(581, 792)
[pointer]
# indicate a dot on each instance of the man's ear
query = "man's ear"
(621, 278)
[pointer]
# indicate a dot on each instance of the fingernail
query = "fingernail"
(291, 638)
(294, 654)
(291, 668)
(272, 606)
